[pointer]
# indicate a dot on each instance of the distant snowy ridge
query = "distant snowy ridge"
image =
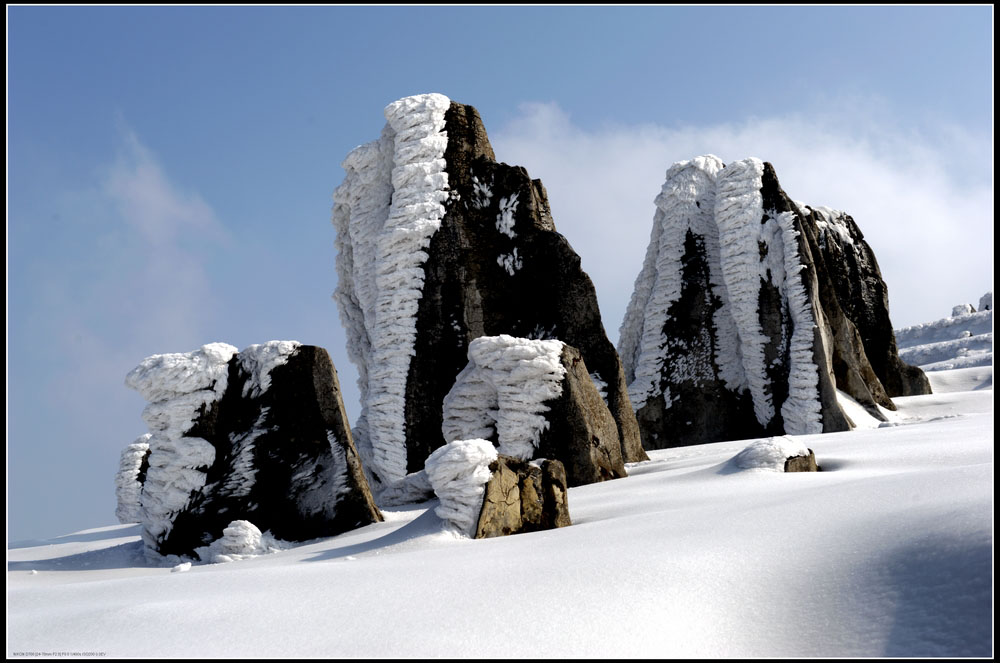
(964, 340)
(385, 212)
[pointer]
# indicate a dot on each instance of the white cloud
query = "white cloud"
(925, 204)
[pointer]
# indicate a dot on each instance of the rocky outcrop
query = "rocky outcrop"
(523, 497)
(535, 399)
(738, 326)
(439, 244)
(805, 463)
(259, 435)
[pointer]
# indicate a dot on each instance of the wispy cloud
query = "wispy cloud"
(925, 203)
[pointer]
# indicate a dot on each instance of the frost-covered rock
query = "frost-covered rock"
(523, 497)
(776, 454)
(458, 473)
(260, 435)
(535, 399)
(736, 327)
(986, 302)
(438, 244)
(128, 482)
(240, 540)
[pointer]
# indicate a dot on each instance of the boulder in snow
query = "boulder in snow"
(523, 496)
(260, 435)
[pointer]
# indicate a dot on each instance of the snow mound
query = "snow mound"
(770, 453)
(385, 212)
(240, 540)
(128, 488)
(458, 472)
(502, 392)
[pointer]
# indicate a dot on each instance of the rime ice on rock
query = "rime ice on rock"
(259, 435)
(474, 252)
(458, 472)
(740, 325)
(128, 482)
(535, 399)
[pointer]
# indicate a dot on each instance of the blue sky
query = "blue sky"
(170, 170)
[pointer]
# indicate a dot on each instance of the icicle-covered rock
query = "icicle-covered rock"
(737, 327)
(535, 399)
(261, 436)
(438, 244)
(458, 472)
(128, 482)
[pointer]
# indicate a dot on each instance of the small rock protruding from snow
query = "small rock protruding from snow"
(458, 472)
(770, 453)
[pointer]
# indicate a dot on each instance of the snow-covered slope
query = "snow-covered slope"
(964, 340)
(886, 552)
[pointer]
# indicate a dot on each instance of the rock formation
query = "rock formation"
(751, 310)
(523, 497)
(438, 244)
(260, 435)
(776, 454)
(535, 399)
(484, 494)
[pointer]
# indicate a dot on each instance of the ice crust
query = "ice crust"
(458, 472)
(502, 392)
(385, 212)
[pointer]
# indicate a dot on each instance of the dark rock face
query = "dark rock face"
(855, 283)
(582, 431)
(738, 327)
(495, 265)
(283, 459)
(521, 497)
(802, 463)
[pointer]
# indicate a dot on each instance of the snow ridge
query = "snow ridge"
(128, 490)
(458, 472)
(503, 391)
(183, 384)
(385, 213)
